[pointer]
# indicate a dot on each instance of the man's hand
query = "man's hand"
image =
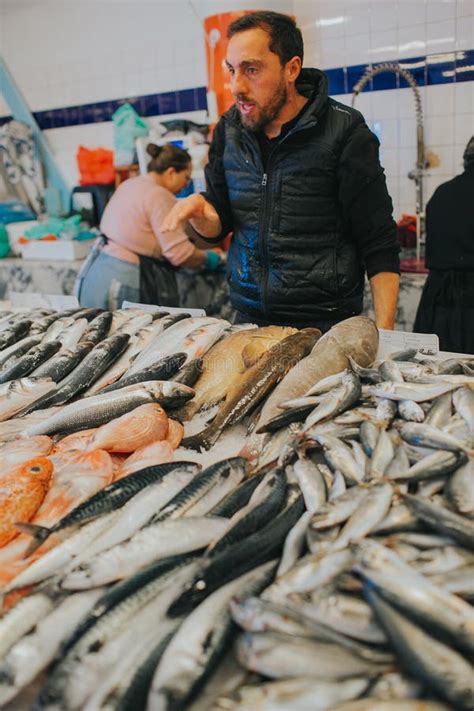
(384, 287)
(196, 210)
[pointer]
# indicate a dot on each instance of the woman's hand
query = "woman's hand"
(195, 209)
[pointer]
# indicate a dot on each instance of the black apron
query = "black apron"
(447, 309)
(158, 284)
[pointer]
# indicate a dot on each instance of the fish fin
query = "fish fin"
(202, 440)
(39, 533)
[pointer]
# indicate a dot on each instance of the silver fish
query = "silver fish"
(419, 392)
(429, 436)
(460, 489)
(410, 411)
(336, 401)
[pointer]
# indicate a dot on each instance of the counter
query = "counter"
(198, 289)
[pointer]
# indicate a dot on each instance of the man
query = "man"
(447, 302)
(296, 177)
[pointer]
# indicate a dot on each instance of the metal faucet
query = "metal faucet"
(417, 173)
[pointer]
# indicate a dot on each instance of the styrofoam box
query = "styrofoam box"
(17, 229)
(57, 250)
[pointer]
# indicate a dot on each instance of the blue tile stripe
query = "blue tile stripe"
(450, 67)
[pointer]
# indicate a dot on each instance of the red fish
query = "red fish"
(21, 494)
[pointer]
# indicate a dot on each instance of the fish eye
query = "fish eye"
(35, 469)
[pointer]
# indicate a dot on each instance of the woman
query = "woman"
(133, 260)
(447, 302)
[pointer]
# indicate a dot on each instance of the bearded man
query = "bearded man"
(295, 176)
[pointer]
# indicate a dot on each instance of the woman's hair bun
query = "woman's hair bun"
(153, 150)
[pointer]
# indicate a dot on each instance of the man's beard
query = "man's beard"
(267, 114)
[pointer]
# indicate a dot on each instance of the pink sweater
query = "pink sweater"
(132, 220)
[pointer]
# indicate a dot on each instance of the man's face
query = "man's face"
(257, 78)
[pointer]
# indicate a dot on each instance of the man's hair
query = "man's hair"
(286, 39)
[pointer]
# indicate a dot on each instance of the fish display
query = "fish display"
(323, 561)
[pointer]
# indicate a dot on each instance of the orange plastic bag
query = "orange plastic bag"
(96, 166)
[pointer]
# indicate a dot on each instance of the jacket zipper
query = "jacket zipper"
(263, 220)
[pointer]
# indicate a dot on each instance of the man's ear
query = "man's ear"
(293, 69)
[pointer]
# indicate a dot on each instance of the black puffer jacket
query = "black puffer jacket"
(293, 255)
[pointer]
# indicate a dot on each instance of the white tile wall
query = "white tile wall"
(376, 30)
(64, 53)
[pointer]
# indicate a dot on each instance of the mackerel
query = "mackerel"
(163, 369)
(25, 365)
(108, 499)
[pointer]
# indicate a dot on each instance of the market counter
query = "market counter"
(198, 289)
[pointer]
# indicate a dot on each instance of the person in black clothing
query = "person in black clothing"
(447, 302)
(296, 177)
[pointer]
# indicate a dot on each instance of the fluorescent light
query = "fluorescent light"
(328, 21)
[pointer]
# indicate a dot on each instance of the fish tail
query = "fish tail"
(204, 439)
(39, 533)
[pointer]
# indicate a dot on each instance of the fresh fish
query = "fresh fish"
(418, 392)
(197, 646)
(21, 619)
(265, 503)
(97, 650)
(256, 383)
(14, 333)
(171, 340)
(443, 520)
(164, 369)
(389, 370)
(159, 540)
(139, 510)
(312, 484)
(371, 375)
(98, 328)
(278, 656)
(460, 489)
(369, 434)
(32, 654)
(57, 328)
(109, 499)
(150, 456)
(235, 560)
(62, 363)
(438, 463)
(336, 401)
(440, 411)
(99, 409)
(294, 544)
(91, 367)
(13, 352)
(300, 694)
(229, 472)
(402, 585)
(137, 343)
(340, 458)
(20, 451)
(463, 400)
(381, 456)
(326, 384)
(385, 412)
(71, 337)
(21, 494)
(442, 560)
(429, 436)
(355, 336)
(59, 557)
(410, 411)
(18, 395)
(442, 668)
(309, 573)
(238, 498)
(347, 613)
(25, 365)
(458, 582)
(371, 511)
(189, 373)
(339, 509)
(224, 365)
(138, 428)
